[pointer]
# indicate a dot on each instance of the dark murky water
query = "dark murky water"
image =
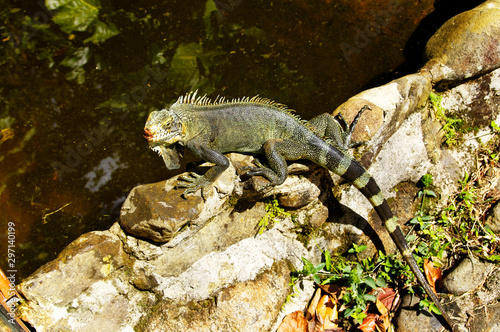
(72, 111)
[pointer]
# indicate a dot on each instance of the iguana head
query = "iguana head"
(163, 127)
(162, 130)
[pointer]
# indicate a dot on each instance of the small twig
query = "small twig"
(44, 218)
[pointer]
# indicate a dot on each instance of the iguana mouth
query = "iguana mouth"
(149, 136)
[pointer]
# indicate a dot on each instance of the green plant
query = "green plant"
(273, 213)
(424, 303)
(451, 126)
(357, 278)
(459, 227)
(466, 212)
(434, 246)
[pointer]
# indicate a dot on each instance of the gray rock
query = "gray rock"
(486, 319)
(154, 213)
(240, 262)
(411, 319)
(84, 289)
(466, 276)
(303, 193)
(391, 104)
(476, 101)
(222, 231)
(490, 292)
(158, 211)
(248, 306)
(466, 45)
(90, 258)
(493, 221)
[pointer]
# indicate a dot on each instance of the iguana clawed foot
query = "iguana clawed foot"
(264, 171)
(193, 182)
(349, 129)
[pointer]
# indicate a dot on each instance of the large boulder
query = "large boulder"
(467, 45)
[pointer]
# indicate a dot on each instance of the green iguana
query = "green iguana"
(259, 125)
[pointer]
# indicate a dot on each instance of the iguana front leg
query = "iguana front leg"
(193, 182)
(337, 129)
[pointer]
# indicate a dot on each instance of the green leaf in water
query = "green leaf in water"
(74, 15)
(102, 32)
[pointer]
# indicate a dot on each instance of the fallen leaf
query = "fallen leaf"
(432, 274)
(387, 296)
(326, 313)
(331, 289)
(384, 321)
(369, 323)
(5, 287)
(314, 303)
(294, 322)
(381, 307)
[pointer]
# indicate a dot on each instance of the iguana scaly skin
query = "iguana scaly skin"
(259, 125)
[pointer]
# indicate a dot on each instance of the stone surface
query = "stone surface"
(90, 258)
(486, 319)
(315, 215)
(158, 211)
(475, 101)
(466, 275)
(493, 221)
(303, 193)
(84, 289)
(248, 306)
(150, 212)
(391, 104)
(466, 45)
(224, 230)
(217, 270)
(369, 123)
(410, 319)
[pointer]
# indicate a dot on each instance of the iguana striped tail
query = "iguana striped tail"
(352, 171)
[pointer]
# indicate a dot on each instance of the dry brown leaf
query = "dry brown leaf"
(383, 325)
(332, 289)
(387, 297)
(384, 322)
(294, 322)
(314, 303)
(5, 287)
(432, 274)
(326, 313)
(369, 323)
(381, 307)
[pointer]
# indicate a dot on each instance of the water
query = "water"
(72, 148)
